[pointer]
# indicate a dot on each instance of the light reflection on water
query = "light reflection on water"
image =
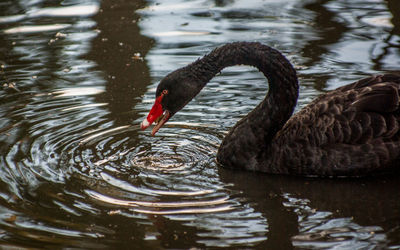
(77, 79)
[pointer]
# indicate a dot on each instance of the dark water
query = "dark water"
(77, 77)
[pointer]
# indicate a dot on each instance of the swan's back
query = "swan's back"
(351, 131)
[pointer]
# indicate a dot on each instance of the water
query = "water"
(77, 77)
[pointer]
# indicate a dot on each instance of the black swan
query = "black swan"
(353, 130)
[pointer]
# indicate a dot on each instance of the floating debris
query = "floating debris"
(137, 56)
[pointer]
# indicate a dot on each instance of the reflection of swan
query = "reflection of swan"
(351, 131)
(296, 209)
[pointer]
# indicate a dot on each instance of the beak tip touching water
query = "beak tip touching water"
(145, 124)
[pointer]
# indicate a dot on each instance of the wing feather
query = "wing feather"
(352, 130)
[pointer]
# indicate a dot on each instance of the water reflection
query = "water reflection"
(76, 79)
(322, 213)
(384, 52)
(119, 52)
(318, 40)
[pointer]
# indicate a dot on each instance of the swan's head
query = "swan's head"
(172, 94)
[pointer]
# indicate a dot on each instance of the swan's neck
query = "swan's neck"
(254, 132)
(277, 107)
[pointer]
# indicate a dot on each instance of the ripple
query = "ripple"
(97, 136)
(178, 207)
(79, 91)
(68, 11)
(36, 28)
(181, 33)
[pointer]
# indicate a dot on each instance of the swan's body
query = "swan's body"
(351, 131)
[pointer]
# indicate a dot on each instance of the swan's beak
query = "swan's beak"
(159, 119)
(157, 114)
(160, 122)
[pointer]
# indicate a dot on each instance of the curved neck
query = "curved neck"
(277, 107)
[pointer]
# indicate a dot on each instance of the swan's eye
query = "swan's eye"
(165, 92)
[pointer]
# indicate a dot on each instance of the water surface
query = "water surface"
(77, 77)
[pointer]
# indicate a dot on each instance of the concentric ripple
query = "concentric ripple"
(167, 166)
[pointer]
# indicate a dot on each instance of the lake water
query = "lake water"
(77, 78)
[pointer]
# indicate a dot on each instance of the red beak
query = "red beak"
(156, 114)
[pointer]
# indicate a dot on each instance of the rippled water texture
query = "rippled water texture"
(77, 77)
